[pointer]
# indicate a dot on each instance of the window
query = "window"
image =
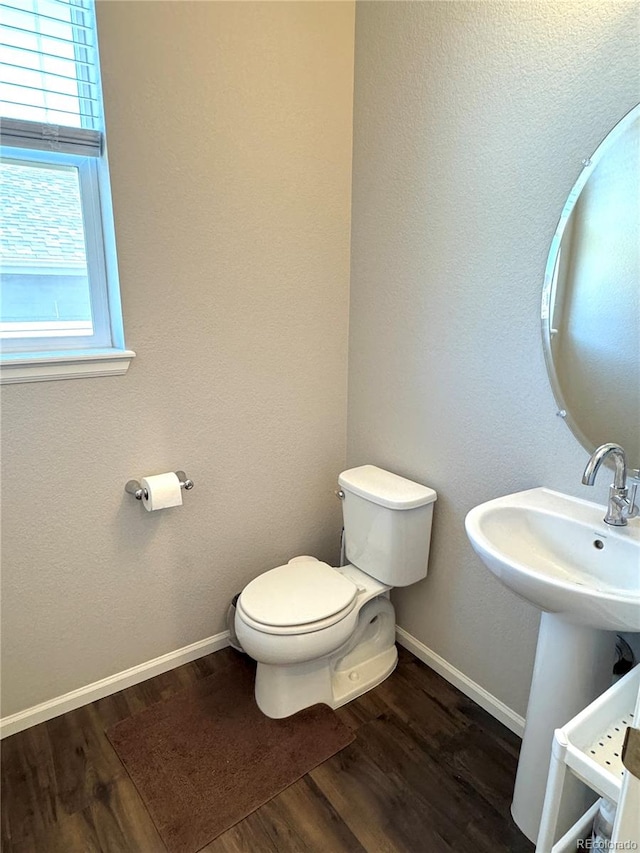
(60, 312)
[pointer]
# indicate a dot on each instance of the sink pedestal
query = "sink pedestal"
(573, 666)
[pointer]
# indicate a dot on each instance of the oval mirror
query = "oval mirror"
(591, 297)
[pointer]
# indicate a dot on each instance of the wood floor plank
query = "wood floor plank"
(377, 804)
(122, 821)
(301, 818)
(362, 710)
(251, 834)
(74, 832)
(430, 707)
(429, 772)
(71, 764)
(450, 800)
(473, 757)
(29, 788)
(112, 836)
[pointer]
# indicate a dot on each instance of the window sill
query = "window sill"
(44, 367)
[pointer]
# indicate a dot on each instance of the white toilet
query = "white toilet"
(323, 634)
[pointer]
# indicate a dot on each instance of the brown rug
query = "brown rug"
(207, 757)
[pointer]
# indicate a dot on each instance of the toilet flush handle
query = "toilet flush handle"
(339, 494)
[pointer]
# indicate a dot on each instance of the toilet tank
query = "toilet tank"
(387, 524)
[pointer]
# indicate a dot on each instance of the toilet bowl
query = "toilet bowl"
(307, 661)
(327, 634)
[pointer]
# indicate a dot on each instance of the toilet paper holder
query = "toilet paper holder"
(134, 488)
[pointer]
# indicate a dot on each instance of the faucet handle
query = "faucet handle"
(627, 503)
(633, 482)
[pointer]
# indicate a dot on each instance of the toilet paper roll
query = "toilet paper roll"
(161, 491)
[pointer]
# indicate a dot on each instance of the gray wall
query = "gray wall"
(230, 148)
(470, 124)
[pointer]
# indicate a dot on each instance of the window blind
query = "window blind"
(49, 81)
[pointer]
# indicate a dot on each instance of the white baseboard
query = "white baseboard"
(98, 689)
(106, 686)
(482, 697)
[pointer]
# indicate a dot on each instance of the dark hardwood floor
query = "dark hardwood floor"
(429, 772)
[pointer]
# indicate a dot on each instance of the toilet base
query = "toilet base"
(363, 662)
(349, 685)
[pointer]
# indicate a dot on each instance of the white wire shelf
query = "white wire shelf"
(590, 745)
(594, 737)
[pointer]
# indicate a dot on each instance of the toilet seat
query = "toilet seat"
(309, 628)
(302, 596)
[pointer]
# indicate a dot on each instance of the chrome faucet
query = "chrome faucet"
(622, 501)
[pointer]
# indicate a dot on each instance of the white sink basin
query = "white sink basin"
(557, 553)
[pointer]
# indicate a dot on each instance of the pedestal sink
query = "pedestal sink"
(557, 553)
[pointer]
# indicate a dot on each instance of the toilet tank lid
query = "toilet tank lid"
(384, 488)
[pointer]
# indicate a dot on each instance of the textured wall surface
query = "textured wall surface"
(230, 149)
(470, 124)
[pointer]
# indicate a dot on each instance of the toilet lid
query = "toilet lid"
(297, 593)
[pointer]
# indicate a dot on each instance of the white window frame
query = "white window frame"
(95, 256)
(103, 353)
(33, 359)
